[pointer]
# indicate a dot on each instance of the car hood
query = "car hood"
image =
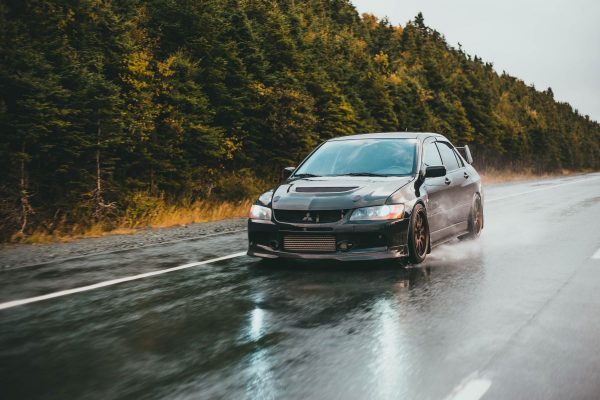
(332, 193)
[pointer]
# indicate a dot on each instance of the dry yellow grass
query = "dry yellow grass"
(200, 211)
(61, 235)
(75, 232)
(162, 217)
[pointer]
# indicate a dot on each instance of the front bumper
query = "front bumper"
(372, 240)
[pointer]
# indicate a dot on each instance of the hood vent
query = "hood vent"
(325, 189)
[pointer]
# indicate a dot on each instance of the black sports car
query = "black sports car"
(371, 196)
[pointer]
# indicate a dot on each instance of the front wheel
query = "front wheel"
(418, 235)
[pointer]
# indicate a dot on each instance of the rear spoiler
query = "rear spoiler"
(466, 153)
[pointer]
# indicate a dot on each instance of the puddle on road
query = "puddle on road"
(574, 209)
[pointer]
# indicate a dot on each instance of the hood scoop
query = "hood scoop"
(325, 189)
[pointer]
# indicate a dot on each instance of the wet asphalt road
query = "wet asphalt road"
(513, 315)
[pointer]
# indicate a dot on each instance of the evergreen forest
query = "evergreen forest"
(108, 107)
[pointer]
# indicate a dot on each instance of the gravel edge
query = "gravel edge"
(22, 255)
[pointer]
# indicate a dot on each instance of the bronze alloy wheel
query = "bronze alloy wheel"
(419, 236)
(477, 218)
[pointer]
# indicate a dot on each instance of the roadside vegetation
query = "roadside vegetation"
(119, 115)
(158, 215)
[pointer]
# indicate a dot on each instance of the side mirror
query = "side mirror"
(435, 171)
(466, 153)
(287, 172)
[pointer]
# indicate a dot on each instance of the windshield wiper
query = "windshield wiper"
(362, 174)
(300, 176)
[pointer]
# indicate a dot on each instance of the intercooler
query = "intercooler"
(309, 243)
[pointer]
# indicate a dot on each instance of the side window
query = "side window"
(431, 156)
(458, 157)
(448, 156)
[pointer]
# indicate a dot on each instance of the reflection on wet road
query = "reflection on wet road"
(518, 308)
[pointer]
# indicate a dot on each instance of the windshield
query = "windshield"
(361, 157)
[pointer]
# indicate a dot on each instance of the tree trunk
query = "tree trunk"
(154, 140)
(26, 208)
(152, 183)
(100, 206)
(98, 171)
(98, 201)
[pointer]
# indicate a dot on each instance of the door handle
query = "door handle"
(466, 175)
(447, 181)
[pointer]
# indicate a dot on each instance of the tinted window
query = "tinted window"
(460, 160)
(431, 156)
(375, 156)
(448, 156)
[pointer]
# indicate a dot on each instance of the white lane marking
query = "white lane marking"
(15, 303)
(540, 189)
(472, 388)
(596, 255)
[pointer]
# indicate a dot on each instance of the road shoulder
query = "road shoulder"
(20, 255)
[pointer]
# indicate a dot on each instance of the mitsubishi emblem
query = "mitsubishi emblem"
(307, 218)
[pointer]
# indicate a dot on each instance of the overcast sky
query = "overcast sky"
(548, 43)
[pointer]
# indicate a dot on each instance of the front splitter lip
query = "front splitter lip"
(379, 253)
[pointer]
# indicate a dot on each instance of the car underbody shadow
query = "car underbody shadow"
(308, 265)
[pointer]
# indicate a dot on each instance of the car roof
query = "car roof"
(390, 135)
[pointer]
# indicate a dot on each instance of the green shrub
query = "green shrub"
(140, 208)
(238, 186)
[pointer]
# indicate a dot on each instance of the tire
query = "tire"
(475, 219)
(418, 235)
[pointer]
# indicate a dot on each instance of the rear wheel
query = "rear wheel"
(418, 235)
(475, 219)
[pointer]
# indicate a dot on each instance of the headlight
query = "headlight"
(392, 211)
(260, 212)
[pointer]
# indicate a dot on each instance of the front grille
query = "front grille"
(309, 243)
(309, 217)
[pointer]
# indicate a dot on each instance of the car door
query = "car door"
(435, 187)
(452, 192)
(466, 190)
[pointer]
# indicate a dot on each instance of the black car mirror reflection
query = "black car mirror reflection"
(435, 171)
